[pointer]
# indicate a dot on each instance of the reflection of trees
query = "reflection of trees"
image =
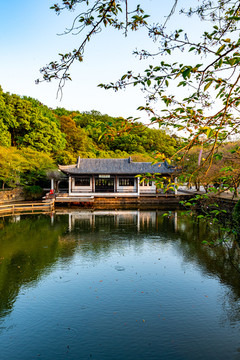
(30, 247)
(213, 261)
(101, 232)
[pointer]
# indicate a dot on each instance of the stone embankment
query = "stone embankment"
(16, 194)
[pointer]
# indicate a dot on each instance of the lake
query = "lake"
(116, 285)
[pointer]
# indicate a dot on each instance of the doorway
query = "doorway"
(104, 185)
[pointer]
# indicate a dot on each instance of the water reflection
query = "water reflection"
(141, 257)
(136, 218)
(28, 250)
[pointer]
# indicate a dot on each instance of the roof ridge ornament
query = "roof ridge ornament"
(78, 162)
(129, 159)
(166, 164)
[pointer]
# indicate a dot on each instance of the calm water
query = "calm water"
(115, 285)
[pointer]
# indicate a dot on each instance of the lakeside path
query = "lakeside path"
(223, 196)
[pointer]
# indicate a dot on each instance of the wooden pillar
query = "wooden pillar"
(93, 183)
(52, 184)
(69, 185)
(115, 190)
(175, 183)
(138, 186)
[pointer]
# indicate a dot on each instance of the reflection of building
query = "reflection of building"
(140, 219)
(115, 218)
(113, 177)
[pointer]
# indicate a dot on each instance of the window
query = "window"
(82, 181)
(126, 182)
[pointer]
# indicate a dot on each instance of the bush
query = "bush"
(33, 192)
(236, 213)
(236, 219)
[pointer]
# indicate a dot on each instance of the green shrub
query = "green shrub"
(33, 192)
(236, 220)
(236, 213)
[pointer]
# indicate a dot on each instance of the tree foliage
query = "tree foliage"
(34, 137)
(22, 167)
(27, 123)
(76, 137)
(224, 173)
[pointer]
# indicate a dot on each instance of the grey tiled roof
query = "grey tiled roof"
(116, 166)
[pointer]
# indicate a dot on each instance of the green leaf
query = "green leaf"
(186, 73)
(237, 18)
(220, 49)
(123, 77)
(227, 40)
(207, 85)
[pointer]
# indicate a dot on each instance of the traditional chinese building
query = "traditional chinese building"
(113, 177)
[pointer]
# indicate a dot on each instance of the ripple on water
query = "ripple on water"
(119, 268)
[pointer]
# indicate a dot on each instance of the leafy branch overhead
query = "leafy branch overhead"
(208, 111)
(198, 95)
(89, 22)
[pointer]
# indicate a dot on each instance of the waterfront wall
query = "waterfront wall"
(141, 200)
(166, 202)
(16, 194)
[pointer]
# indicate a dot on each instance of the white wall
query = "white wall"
(146, 188)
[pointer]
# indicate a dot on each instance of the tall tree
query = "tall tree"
(31, 125)
(77, 140)
(23, 167)
(5, 118)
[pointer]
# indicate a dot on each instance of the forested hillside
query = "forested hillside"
(34, 138)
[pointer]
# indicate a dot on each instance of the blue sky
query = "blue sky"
(29, 40)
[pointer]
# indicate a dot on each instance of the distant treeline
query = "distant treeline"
(34, 138)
